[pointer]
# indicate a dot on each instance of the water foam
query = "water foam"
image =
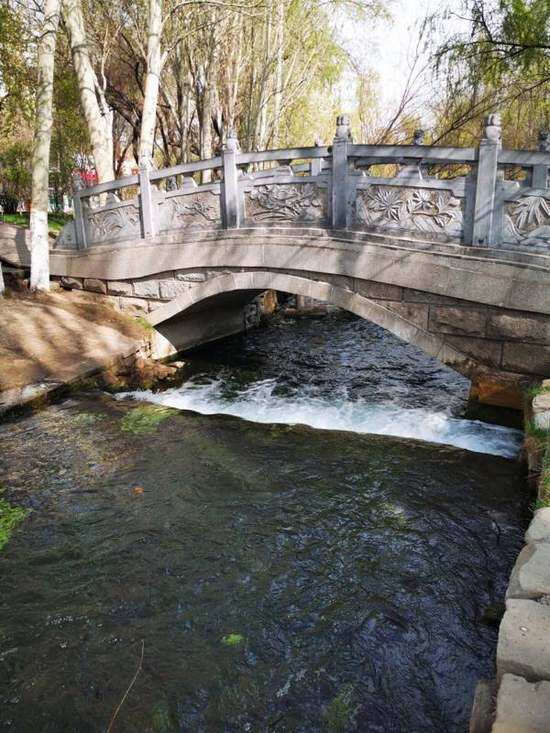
(260, 402)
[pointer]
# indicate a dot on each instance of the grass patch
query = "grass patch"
(541, 503)
(534, 431)
(56, 222)
(533, 392)
(144, 323)
(145, 419)
(10, 518)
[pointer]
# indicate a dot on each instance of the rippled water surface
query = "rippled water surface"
(277, 577)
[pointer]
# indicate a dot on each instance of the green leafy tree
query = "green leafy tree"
(501, 61)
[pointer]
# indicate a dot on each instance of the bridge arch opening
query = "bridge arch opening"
(214, 309)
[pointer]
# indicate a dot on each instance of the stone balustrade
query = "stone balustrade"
(483, 197)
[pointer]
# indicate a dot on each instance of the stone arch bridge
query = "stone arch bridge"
(448, 248)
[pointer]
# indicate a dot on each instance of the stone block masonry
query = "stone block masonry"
(487, 343)
(523, 652)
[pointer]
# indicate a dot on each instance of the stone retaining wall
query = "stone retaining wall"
(523, 652)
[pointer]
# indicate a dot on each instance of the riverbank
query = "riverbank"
(519, 699)
(50, 340)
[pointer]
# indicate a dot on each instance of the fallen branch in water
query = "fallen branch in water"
(121, 703)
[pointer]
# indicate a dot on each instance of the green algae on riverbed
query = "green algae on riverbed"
(145, 419)
(10, 518)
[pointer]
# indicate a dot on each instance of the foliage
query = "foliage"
(533, 392)
(16, 67)
(15, 169)
(533, 431)
(145, 419)
(10, 518)
(500, 61)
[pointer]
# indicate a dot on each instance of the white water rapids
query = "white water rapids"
(260, 402)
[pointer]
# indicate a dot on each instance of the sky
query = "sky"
(389, 47)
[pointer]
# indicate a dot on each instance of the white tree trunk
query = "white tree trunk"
(152, 81)
(40, 254)
(99, 120)
(278, 97)
(2, 287)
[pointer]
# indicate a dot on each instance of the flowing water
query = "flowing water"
(289, 571)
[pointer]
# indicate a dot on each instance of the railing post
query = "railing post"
(230, 185)
(79, 227)
(485, 225)
(340, 174)
(540, 172)
(148, 227)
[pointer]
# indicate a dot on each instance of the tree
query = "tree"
(40, 255)
(96, 111)
(500, 61)
(152, 80)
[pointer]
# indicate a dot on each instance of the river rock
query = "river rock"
(483, 707)
(522, 707)
(539, 529)
(541, 410)
(524, 640)
(531, 574)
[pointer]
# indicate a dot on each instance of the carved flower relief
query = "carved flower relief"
(116, 223)
(528, 219)
(283, 202)
(427, 210)
(192, 210)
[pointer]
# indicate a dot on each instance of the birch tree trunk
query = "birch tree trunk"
(278, 96)
(152, 80)
(40, 254)
(99, 120)
(2, 288)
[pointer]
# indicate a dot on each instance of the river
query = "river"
(315, 540)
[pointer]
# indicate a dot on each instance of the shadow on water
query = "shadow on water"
(281, 578)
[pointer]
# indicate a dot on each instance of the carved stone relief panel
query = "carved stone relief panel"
(279, 202)
(107, 224)
(527, 220)
(200, 210)
(399, 207)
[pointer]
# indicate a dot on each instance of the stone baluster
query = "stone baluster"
(340, 172)
(485, 224)
(418, 137)
(540, 172)
(230, 187)
(147, 205)
(79, 225)
(316, 165)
